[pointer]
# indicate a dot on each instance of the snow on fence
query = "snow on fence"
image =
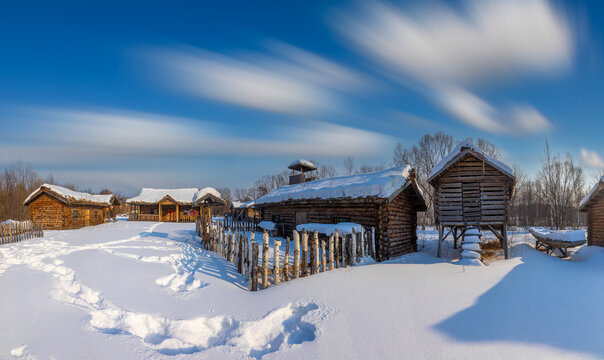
(305, 253)
(15, 231)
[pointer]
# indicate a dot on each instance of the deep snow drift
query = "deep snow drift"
(132, 290)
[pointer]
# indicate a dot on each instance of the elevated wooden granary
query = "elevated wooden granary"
(471, 189)
(593, 205)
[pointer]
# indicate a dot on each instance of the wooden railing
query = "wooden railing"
(169, 218)
(19, 231)
(311, 254)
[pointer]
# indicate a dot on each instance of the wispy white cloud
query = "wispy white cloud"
(488, 41)
(76, 137)
(472, 110)
(294, 81)
(591, 159)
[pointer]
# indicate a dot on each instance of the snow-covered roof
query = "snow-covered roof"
(595, 190)
(153, 196)
(242, 204)
(70, 196)
(459, 150)
(302, 165)
(207, 193)
(186, 196)
(381, 184)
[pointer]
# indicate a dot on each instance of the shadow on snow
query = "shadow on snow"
(544, 300)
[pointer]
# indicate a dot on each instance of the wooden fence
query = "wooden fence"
(304, 253)
(19, 231)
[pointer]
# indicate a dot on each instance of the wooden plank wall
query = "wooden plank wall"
(481, 184)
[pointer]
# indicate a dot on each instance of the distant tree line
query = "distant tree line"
(17, 181)
(550, 198)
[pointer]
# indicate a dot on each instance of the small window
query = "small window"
(340, 219)
(75, 214)
(275, 218)
(96, 214)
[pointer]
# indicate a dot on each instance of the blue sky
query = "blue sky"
(201, 93)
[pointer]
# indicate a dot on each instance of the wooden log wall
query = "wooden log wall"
(19, 231)
(312, 253)
(595, 222)
(53, 214)
(395, 222)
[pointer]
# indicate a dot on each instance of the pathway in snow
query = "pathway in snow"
(284, 325)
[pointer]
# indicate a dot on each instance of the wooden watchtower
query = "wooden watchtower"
(299, 169)
(471, 189)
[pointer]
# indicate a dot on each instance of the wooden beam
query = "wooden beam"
(177, 213)
(440, 241)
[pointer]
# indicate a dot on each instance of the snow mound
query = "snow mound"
(267, 225)
(561, 235)
(327, 229)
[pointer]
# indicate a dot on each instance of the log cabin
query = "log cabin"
(59, 208)
(242, 211)
(386, 200)
(593, 205)
(471, 189)
(171, 205)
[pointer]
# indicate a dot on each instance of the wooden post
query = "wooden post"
(506, 249)
(264, 260)
(296, 255)
(159, 205)
(362, 241)
(323, 256)
(286, 260)
(344, 251)
(177, 213)
(252, 264)
(337, 244)
(316, 252)
(353, 247)
(276, 262)
(373, 243)
(331, 264)
(254, 268)
(241, 253)
(440, 240)
(304, 258)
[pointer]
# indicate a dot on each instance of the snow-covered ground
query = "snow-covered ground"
(133, 290)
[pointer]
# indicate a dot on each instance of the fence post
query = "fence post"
(373, 243)
(344, 251)
(353, 248)
(286, 260)
(316, 252)
(251, 249)
(362, 241)
(276, 262)
(296, 255)
(254, 268)
(337, 250)
(323, 256)
(264, 260)
(331, 264)
(304, 258)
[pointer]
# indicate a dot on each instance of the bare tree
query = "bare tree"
(349, 165)
(560, 183)
(326, 171)
(428, 152)
(488, 147)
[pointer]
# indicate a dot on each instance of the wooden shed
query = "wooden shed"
(387, 200)
(59, 208)
(243, 211)
(170, 205)
(593, 205)
(471, 189)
